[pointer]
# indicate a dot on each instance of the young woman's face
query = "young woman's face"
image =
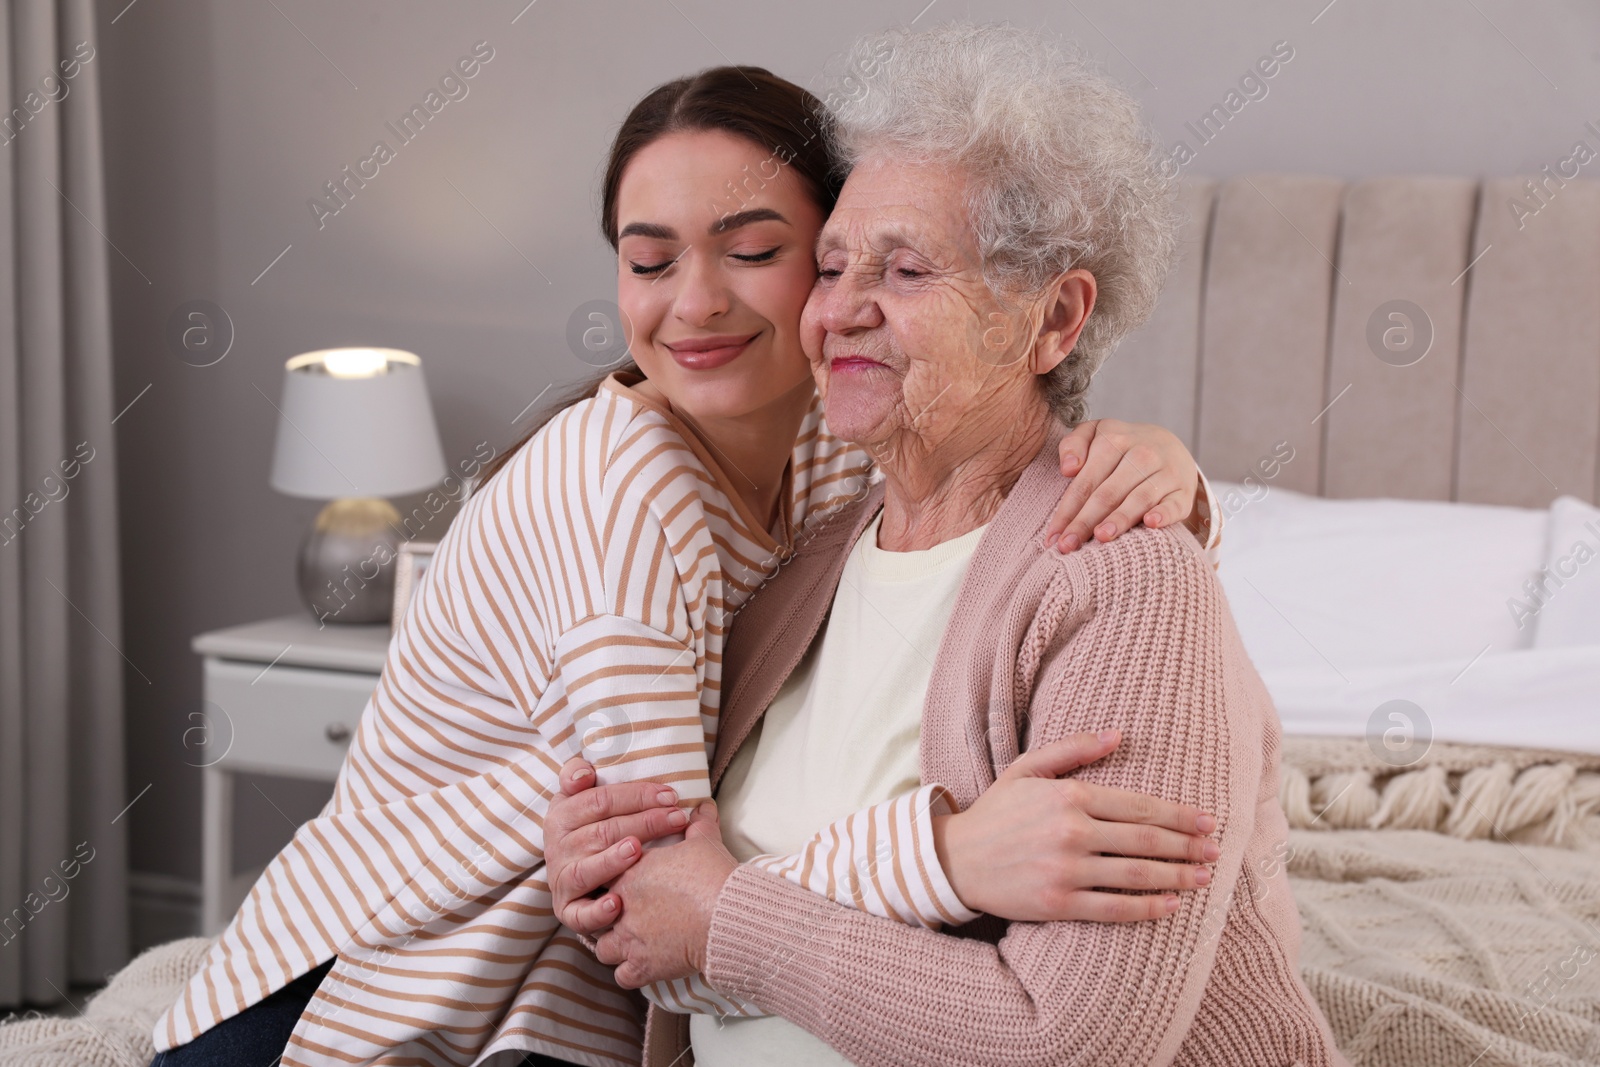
(715, 259)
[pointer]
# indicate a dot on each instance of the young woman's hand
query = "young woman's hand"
(1035, 847)
(592, 835)
(1123, 473)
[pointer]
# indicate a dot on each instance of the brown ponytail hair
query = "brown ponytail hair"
(749, 102)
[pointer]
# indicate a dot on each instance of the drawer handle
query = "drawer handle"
(337, 732)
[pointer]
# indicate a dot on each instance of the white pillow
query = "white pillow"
(1326, 587)
(1566, 598)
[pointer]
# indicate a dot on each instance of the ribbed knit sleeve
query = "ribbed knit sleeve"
(1127, 634)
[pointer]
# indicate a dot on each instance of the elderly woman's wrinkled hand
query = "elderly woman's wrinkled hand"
(668, 897)
(1123, 473)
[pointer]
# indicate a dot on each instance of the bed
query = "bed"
(1395, 385)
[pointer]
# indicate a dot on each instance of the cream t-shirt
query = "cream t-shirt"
(842, 734)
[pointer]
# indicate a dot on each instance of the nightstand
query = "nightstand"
(282, 697)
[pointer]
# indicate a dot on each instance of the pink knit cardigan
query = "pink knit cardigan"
(1134, 634)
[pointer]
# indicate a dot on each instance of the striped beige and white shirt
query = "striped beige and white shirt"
(578, 603)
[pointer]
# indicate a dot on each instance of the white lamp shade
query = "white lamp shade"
(355, 423)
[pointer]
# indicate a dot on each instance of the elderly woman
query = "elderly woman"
(1002, 227)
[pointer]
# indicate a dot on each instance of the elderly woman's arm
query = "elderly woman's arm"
(1135, 638)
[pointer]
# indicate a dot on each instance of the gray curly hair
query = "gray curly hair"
(1061, 170)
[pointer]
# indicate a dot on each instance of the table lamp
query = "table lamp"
(354, 426)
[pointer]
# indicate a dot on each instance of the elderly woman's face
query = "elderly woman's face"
(910, 349)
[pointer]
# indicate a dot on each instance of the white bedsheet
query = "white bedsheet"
(1537, 698)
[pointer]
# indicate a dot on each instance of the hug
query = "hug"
(819, 687)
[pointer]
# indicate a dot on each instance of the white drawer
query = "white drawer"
(294, 721)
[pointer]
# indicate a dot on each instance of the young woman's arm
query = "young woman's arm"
(1025, 850)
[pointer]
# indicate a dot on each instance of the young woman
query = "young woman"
(579, 604)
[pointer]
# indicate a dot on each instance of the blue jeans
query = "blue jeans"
(256, 1037)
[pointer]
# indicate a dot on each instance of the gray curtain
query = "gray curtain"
(63, 852)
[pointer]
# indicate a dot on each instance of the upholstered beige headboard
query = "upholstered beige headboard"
(1299, 308)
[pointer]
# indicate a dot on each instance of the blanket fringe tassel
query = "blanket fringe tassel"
(1547, 804)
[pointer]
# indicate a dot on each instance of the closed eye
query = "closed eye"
(650, 268)
(756, 257)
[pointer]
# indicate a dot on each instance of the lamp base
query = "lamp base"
(346, 565)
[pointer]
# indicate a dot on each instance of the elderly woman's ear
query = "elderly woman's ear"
(1067, 304)
(1122, 473)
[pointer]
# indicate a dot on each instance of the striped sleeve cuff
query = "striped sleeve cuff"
(881, 861)
(1211, 519)
(694, 996)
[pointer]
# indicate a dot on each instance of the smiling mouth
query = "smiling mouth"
(854, 363)
(709, 353)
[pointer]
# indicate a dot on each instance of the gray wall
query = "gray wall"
(474, 245)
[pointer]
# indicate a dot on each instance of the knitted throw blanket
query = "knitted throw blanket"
(1425, 950)
(113, 1030)
(1524, 795)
